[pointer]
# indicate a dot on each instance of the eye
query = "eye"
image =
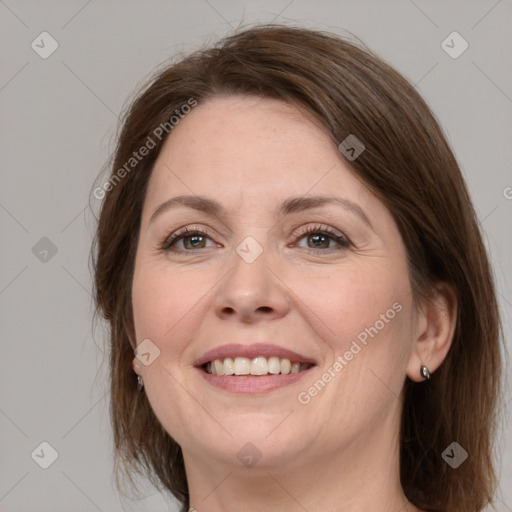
(186, 240)
(321, 239)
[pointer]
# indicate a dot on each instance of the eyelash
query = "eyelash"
(180, 235)
(183, 233)
(342, 241)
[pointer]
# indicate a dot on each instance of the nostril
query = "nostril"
(265, 309)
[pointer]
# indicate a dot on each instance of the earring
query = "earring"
(140, 383)
(425, 372)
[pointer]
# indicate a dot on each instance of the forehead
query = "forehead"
(260, 146)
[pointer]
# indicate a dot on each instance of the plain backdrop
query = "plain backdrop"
(59, 113)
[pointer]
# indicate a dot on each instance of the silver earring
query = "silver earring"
(140, 383)
(425, 372)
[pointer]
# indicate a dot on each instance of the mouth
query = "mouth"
(257, 366)
(252, 368)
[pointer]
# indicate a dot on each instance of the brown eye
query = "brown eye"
(322, 239)
(194, 242)
(187, 241)
(318, 241)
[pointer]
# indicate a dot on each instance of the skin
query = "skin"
(340, 450)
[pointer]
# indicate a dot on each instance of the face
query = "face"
(275, 259)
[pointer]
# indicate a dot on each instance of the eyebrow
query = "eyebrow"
(200, 203)
(299, 204)
(290, 205)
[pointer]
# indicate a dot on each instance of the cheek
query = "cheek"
(167, 307)
(165, 301)
(368, 319)
(349, 303)
(366, 322)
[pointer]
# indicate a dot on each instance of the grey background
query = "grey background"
(59, 117)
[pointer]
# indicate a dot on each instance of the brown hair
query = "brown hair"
(407, 164)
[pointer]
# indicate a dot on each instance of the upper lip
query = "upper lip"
(251, 351)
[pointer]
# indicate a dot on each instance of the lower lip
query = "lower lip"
(251, 383)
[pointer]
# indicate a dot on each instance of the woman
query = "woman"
(301, 307)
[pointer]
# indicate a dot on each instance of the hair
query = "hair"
(407, 164)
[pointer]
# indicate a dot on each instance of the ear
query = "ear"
(437, 318)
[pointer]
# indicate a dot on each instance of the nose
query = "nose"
(251, 292)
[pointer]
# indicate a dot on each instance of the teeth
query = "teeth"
(242, 365)
(229, 366)
(286, 366)
(257, 366)
(218, 367)
(274, 365)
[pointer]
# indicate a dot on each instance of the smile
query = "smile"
(252, 368)
(257, 366)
